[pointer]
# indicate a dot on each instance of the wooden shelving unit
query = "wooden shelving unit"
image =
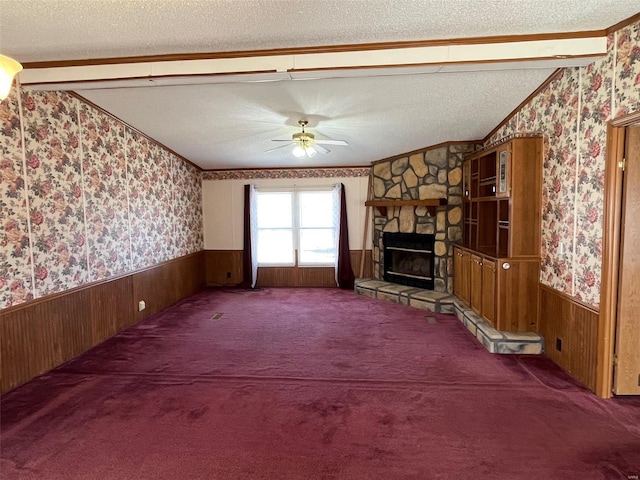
(498, 264)
(502, 195)
(432, 204)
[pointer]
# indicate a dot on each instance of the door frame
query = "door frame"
(611, 230)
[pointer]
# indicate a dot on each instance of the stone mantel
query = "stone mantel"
(430, 203)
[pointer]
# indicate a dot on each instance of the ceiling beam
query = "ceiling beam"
(537, 53)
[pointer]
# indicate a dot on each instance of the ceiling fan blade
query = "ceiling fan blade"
(332, 142)
(278, 148)
(320, 148)
(280, 140)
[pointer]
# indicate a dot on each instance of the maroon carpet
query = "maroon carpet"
(310, 384)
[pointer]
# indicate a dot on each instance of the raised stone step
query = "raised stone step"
(493, 340)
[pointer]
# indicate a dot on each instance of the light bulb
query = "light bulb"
(299, 152)
(310, 151)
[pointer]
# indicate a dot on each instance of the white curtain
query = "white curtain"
(337, 191)
(253, 214)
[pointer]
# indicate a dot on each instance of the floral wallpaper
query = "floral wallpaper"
(286, 173)
(572, 114)
(84, 197)
(55, 193)
(187, 190)
(16, 279)
(627, 65)
(596, 86)
(559, 104)
(105, 190)
(150, 191)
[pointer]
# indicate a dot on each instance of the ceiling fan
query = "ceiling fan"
(305, 143)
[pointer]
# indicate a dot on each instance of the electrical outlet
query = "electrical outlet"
(559, 344)
(141, 305)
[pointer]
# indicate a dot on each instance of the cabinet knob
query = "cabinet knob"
(506, 266)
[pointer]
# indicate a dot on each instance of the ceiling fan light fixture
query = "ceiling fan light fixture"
(305, 143)
(8, 69)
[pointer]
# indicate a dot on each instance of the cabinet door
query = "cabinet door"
(476, 283)
(503, 173)
(461, 266)
(466, 277)
(489, 291)
(517, 291)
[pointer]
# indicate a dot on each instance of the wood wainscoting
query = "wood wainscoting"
(575, 326)
(40, 335)
(224, 268)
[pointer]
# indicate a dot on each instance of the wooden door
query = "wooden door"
(627, 369)
(489, 291)
(476, 283)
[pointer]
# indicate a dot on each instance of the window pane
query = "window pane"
(316, 209)
(275, 247)
(274, 210)
(317, 246)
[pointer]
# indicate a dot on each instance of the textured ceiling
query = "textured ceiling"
(33, 30)
(230, 125)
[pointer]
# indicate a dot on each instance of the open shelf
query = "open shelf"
(488, 181)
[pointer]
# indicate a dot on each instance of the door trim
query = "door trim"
(613, 176)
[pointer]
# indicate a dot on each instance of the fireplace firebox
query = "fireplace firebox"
(409, 259)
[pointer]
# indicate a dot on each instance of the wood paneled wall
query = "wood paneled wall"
(167, 283)
(219, 263)
(368, 262)
(576, 326)
(296, 277)
(40, 335)
(224, 267)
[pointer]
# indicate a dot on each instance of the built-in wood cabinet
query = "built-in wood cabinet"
(502, 188)
(504, 291)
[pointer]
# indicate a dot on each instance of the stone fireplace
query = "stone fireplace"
(409, 259)
(432, 173)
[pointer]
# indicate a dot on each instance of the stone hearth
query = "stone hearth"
(493, 340)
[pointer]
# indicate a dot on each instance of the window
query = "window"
(275, 228)
(295, 220)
